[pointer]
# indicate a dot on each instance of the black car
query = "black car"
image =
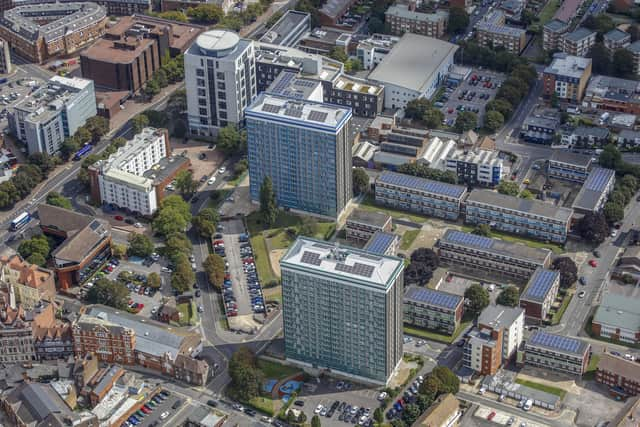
(129, 221)
(250, 412)
(176, 404)
(194, 199)
(299, 403)
(197, 293)
(212, 403)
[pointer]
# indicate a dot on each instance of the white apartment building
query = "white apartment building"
(52, 113)
(129, 179)
(511, 320)
(372, 51)
(220, 78)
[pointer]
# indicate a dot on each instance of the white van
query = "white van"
(527, 405)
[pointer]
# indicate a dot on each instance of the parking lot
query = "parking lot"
(457, 284)
(160, 412)
(471, 95)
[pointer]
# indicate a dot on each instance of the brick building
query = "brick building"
(622, 376)
(567, 77)
(405, 19)
(361, 225)
(30, 282)
(539, 294)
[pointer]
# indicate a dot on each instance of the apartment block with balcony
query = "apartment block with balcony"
(514, 261)
(634, 48)
(491, 32)
(567, 77)
(539, 294)
(405, 19)
(622, 376)
(569, 166)
(361, 225)
(578, 42)
(424, 196)
(532, 218)
(552, 34)
(483, 350)
(510, 320)
(432, 309)
(556, 352)
(616, 39)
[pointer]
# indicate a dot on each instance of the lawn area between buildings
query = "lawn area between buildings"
(271, 371)
(590, 374)
(368, 204)
(556, 249)
(557, 316)
(261, 257)
(188, 313)
(408, 238)
(436, 336)
(547, 12)
(275, 370)
(542, 387)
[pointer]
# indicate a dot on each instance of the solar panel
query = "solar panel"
(317, 116)
(311, 258)
(427, 185)
(468, 239)
(357, 269)
(283, 81)
(305, 83)
(379, 243)
(598, 179)
(433, 297)
(270, 108)
(545, 339)
(293, 112)
(540, 284)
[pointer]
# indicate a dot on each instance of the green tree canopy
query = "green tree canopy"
(449, 382)
(36, 245)
(206, 13)
(613, 212)
(140, 245)
(268, 205)
(185, 183)
(416, 108)
(593, 227)
(153, 280)
(246, 378)
(37, 259)
(109, 292)
(478, 298)
(205, 222)
(466, 121)
(338, 53)
(493, 120)
(183, 278)
(214, 267)
(56, 199)
(500, 105)
(510, 296)
(458, 20)
(482, 230)
(622, 64)
(510, 188)
(231, 140)
(139, 122)
(568, 271)
(610, 157)
(432, 118)
(360, 181)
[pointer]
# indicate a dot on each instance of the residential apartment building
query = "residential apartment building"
(43, 119)
(361, 225)
(133, 49)
(113, 7)
(533, 218)
(616, 39)
(458, 249)
(595, 191)
(289, 29)
(491, 32)
(403, 18)
(539, 294)
(510, 320)
(634, 48)
(622, 376)
(617, 318)
(220, 79)
(305, 149)
(589, 137)
(383, 243)
(342, 309)
(539, 130)
(364, 98)
(569, 166)
(556, 352)
(31, 283)
(432, 309)
(476, 167)
(6, 66)
(483, 350)
(85, 247)
(612, 94)
(578, 42)
(628, 138)
(567, 77)
(41, 31)
(118, 337)
(552, 34)
(420, 195)
(372, 51)
(134, 177)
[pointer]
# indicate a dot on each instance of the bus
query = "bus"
(20, 221)
(81, 152)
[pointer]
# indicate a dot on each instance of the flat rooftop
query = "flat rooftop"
(558, 343)
(342, 263)
(567, 65)
(570, 158)
(593, 188)
(380, 242)
(287, 24)
(334, 8)
(374, 219)
(531, 207)
(496, 246)
(122, 51)
(289, 85)
(327, 116)
(427, 185)
(579, 34)
(353, 84)
(432, 297)
(402, 67)
(498, 316)
(539, 285)
(619, 311)
(402, 11)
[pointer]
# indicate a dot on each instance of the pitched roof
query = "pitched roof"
(439, 412)
(62, 219)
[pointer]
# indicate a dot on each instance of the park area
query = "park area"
(278, 385)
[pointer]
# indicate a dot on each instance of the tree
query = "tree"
(139, 122)
(458, 20)
(339, 54)
(376, 25)
(140, 245)
(378, 415)
(622, 64)
(178, 204)
(177, 245)
(567, 269)
(466, 121)
(153, 280)
(613, 211)
(600, 59)
(500, 105)
(98, 126)
(410, 413)
(183, 278)
(432, 118)
(44, 161)
(510, 188)
(152, 88)
(56, 199)
(526, 194)
(230, 140)
(449, 382)
(478, 298)
(246, 378)
(36, 245)
(482, 230)
(510, 296)
(205, 222)
(493, 121)
(360, 181)
(118, 250)
(82, 135)
(185, 183)
(160, 76)
(169, 221)
(206, 13)
(214, 267)
(416, 108)
(173, 15)
(352, 66)
(593, 227)
(424, 261)
(69, 146)
(37, 259)
(109, 292)
(629, 181)
(268, 205)
(179, 129)
(308, 228)
(430, 387)
(610, 157)
(315, 421)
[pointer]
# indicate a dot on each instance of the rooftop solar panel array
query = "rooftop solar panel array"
(270, 108)
(311, 258)
(468, 239)
(358, 269)
(284, 80)
(317, 116)
(558, 342)
(433, 297)
(293, 112)
(598, 179)
(413, 182)
(380, 242)
(540, 284)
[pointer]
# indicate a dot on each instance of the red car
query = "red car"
(450, 110)
(491, 415)
(449, 278)
(218, 242)
(145, 410)
(118, 217)
(232, 314)
(227, 276)
(247, 261)
(593, 263)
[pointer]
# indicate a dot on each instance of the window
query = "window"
(199, 72)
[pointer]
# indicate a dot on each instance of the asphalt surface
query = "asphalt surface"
(231, 235)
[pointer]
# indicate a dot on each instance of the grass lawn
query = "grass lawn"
(276, 371)
(283, 220)
(407, 239)
(547, 12)
(280, 241)
(261, 257)
(435, 336)
(216, 201)
(237, 180)
(273, 294)
(557, 316)
(557, 249)
(542, 387)
(591, 368)
(368, 204)
(188, 314)
(263, 404)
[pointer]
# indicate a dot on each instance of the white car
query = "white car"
(581, 294)
(222, 170)
(614, 233)
(137, 225)
(382, 396)
(166, 270)
(164, 415)
(318, 409)
(211, 180)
